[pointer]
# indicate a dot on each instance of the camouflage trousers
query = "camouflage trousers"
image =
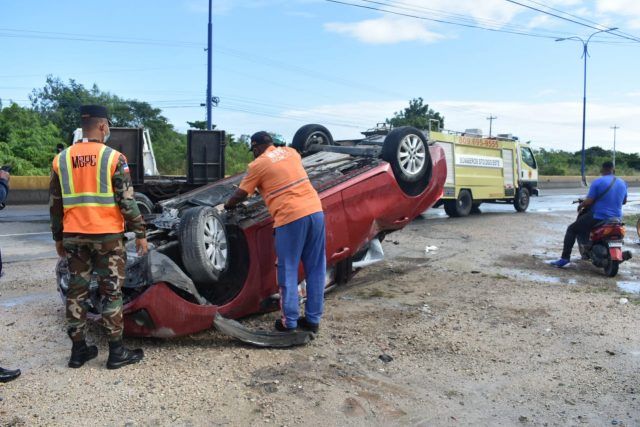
(107, 259)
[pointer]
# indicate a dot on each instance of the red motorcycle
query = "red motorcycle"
(604, 246)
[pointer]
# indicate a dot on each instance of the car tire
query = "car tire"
(407, 151)
(145, 205)
(311, 134)
(521, 201)
(461, 206)
(204, 244)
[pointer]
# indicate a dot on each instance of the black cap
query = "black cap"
(260, 138)
(97, 111)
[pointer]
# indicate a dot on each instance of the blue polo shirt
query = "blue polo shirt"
(609, 205)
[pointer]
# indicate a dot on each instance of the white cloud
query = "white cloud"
(555, 125)
(390, 29)
(385, 30)
(629, 9)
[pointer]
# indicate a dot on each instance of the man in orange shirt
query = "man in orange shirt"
(279, 176)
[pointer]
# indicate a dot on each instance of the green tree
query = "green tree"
(200, 124)
(27, 142)
(237, 156)
(59, 103)
(419, 115)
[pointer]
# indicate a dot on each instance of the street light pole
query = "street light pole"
(615, 128)
(209, 47)
(585, 54)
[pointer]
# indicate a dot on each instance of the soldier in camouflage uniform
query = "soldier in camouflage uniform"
(87, 222)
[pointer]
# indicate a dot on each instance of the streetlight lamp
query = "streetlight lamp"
(585, 54)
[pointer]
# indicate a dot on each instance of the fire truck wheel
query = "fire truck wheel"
(461, 206)
(144, 203)
(311, 134)
(521, 201)
(204, 244)
(406, 149)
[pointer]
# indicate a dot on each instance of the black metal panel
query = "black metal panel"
(129, 141)
(205, 150)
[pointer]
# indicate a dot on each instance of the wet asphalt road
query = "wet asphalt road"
(24, 229)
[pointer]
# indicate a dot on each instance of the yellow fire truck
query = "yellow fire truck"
(485, 170)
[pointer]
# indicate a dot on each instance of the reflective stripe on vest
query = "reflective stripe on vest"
(104, 195)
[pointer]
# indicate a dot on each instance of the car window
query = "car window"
(527, 157)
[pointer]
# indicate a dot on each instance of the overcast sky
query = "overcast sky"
(281, 64)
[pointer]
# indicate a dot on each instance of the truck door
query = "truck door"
(528, 165)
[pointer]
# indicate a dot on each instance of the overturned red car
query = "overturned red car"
(205, 261)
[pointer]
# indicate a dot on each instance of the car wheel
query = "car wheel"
(521, 201)
(406, 149)
(461, 206)
(144, 203)
(311, 134)
(204, 244)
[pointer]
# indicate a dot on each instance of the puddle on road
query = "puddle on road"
(531, 276)
(629, 287)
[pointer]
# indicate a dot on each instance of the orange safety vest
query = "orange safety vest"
(85, 171)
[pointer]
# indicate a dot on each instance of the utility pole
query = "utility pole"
(615, 128)
(209, 48)
(491, 118)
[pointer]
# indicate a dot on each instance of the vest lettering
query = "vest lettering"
(82, 161)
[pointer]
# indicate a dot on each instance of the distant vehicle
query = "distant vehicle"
(204, 162)
(149, 158)
(486, 170)
(206, 261)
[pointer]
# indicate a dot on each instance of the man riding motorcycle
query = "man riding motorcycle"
(606, 196)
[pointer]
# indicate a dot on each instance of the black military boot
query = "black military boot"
(120, 356)
(7, 375)
(82, 353)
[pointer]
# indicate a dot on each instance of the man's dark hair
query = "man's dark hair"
(260, 138)
(607, 165)
(90, 123)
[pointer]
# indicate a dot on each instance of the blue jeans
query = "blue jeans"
(302, 239)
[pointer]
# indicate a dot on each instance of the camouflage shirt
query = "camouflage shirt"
(123, 194)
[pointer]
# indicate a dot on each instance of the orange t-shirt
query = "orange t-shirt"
(284, 185)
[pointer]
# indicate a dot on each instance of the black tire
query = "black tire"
(311, 134)
(144, 203)
(407, 151)
(475, 208)
(461, 206)
(521, 201)
(203, 230)
(611, 269)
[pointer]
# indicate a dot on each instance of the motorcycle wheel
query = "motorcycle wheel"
(611, 269)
